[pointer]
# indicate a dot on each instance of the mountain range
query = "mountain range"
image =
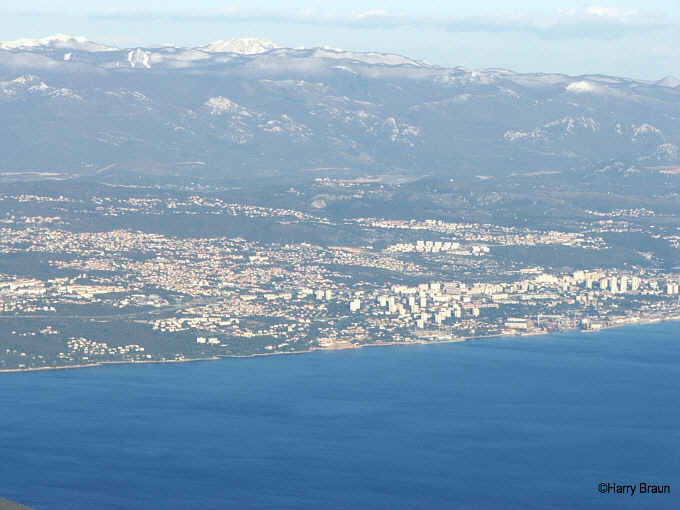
(245, 108)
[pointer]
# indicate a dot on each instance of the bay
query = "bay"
(514, 422)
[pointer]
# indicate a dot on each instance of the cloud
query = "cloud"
(663, 51)
(374, 18)
(595, 21)
(26, 13)
(129, 15)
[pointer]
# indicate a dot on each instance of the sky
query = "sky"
(631, 39)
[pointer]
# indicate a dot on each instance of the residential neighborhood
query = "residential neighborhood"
(188, 296)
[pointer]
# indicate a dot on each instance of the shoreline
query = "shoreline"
(641, 322)
(103, 363)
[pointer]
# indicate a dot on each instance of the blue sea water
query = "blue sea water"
(519, 422)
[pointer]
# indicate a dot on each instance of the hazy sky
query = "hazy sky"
(624, 38)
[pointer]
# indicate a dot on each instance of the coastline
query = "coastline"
(641, 322)
(103, 363)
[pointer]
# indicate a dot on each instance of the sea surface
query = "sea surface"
(514, 422)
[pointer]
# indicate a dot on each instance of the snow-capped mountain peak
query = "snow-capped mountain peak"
(583, 86)
(60, 41)
(244, 104)
(669, 81)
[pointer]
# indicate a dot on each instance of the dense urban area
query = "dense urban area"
(168, 273)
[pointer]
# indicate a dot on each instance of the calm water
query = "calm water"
(534, 422)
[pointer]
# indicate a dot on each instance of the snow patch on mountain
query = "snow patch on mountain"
(60, 41)
(139, 58)
(636, 133)
(298, 86)
(668, 81)
(67, 93)
(221, 105)
(397, 132)
(29, 84)
(600, 78)
(645, 129)
(242, 124)
(668, 151)
(664, 154)
(360, 118)
(587, 87)
(246, 46)
(557, 129)
(46, 41)
(570, 124)
(536, 134)
(345, 69)
(19, 85)
(367, 58)
(167, 57)
(509, 93)
(42, 87)
(467, 77)
(286, 125)
(538, 80)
